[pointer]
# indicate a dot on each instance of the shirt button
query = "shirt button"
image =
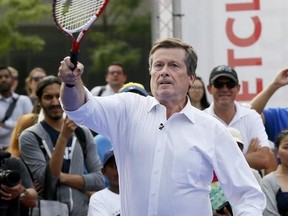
(155, 171)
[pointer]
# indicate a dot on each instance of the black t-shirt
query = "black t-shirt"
(54, 134)
(12, 207)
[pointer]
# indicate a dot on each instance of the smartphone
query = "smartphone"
(220, 209)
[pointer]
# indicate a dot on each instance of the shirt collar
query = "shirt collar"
(240, 112)
(14, 95)
(188, 110)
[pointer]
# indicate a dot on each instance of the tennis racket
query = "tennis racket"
(72, 16)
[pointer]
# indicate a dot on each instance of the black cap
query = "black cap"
(223, 70)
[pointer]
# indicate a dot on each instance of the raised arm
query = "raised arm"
(260, 101)
(72, 90)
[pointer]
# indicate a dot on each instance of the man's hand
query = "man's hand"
(254, 146)
(282, 78)
(68, 128)
(9, 193)
(68, 76)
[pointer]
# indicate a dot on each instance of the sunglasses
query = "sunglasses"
(220, 85)
(37, 78)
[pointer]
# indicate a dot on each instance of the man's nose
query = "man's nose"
(165, 71)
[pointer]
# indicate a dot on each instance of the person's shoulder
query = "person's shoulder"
(84, 128)
(244, 110)
(24, 99)
(277, 110)
(13, 159)
(32, 130)
(269, 177)
(208, 118)
(209, 109)
(84, 133)
(99, 194)
(96, 90)
(270, 181)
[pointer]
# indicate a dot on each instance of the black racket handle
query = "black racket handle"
(74, 59)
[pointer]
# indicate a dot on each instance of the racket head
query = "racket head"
(73, 16)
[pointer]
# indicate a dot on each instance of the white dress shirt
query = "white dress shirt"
(166, 171)
(248, 122)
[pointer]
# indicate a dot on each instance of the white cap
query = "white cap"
(236, 135)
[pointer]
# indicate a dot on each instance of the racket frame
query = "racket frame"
(82, 30)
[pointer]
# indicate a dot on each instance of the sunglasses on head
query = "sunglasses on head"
(37, 78)
(229, 85)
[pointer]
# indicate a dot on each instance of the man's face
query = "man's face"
(169, 78)
(50, 102)
(115, 76)
(224, 91)
(5, 81)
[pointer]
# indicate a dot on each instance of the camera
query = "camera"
(9, 178)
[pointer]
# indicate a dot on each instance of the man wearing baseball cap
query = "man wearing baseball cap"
(224, 87)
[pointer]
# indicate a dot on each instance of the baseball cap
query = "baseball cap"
(223, 70)
(134, 87)
(108, 154)
(236, 135)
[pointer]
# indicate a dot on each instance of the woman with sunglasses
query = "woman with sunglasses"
(32, 81)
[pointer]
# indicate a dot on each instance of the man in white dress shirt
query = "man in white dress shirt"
(165, 149)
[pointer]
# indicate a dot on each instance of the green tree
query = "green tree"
(14, 13)
(115, 39)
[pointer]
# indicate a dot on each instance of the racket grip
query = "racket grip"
(74, 59)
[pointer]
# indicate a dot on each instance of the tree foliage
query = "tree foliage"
(14, 13)
(121, 23)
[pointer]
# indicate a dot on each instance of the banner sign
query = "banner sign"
(250, 35)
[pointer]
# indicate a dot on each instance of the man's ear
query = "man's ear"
(238, 88)
(209, 88)
(191, 80)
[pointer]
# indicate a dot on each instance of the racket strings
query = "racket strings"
(77, 13)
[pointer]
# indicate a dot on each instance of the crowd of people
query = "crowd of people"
(119, 149)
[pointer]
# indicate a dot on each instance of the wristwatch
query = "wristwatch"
(23, 194)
